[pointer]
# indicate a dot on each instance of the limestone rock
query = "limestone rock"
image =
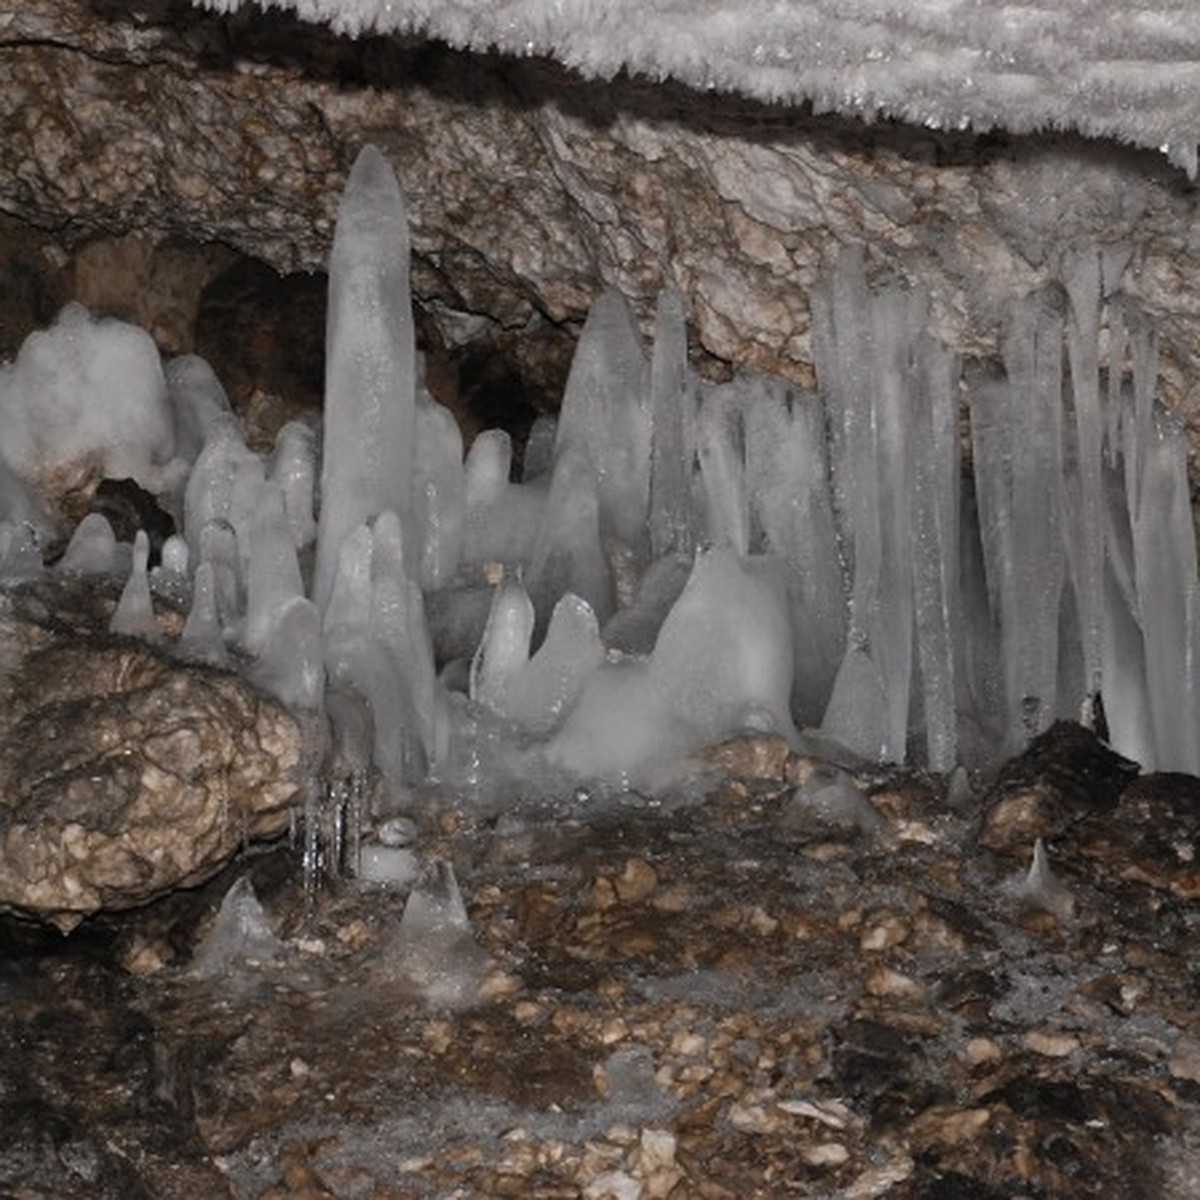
(531, 189)
(124, 775)
(1064, 775)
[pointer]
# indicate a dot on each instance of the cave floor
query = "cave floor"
(694, 997)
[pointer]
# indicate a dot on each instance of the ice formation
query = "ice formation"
(1102, 67)
(683, 561)
(240, 935)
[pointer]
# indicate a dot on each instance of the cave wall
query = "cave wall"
(531, 188)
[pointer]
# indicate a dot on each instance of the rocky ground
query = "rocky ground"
(751, 986)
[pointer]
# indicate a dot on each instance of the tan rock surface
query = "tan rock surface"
(125, 775)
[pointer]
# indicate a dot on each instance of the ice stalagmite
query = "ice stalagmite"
(439, 494)
(293, 469)
(723, 659)
(606, 417)
(134, 614)
(504, 649)
(569, 554)
(370, 366)
(272, 570)
(412, 714)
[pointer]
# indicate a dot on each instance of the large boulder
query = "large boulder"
(124, 774)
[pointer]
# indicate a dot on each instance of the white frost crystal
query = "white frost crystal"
(1125, 70)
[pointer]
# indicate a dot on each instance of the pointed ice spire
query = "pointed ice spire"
(504, 648)
(202, 638)
(370, 366)
(134, 615)
(606, 416)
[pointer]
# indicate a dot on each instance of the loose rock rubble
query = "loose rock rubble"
(683, 997)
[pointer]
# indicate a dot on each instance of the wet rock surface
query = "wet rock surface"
(687, 997)
(125, 774)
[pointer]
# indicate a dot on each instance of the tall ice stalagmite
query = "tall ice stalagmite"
(370, 366)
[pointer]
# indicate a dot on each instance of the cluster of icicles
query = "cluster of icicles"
(682, 561)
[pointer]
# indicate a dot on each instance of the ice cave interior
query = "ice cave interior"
(679, 561)
(920, 560)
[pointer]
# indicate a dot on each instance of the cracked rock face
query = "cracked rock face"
(124, 775)
(530, 189)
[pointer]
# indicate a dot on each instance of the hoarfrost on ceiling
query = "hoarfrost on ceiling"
(1122, 70)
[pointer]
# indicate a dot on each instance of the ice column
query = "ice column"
(670, 458)
(790, 506)
(1016, 431)
(935, 540)
(1165, 564)
(865, 343)
(1085, 499)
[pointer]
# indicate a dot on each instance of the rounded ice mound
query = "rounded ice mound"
(85, 396)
